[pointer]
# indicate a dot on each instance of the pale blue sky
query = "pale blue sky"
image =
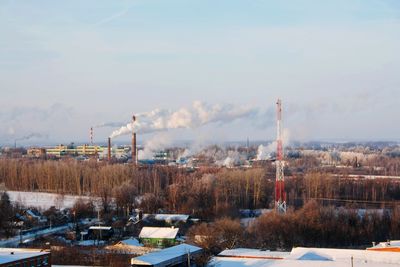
(67, 65)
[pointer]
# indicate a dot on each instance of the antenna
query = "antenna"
(134, 145)
(280, 194)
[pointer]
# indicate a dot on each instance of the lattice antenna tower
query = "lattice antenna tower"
(280, 194)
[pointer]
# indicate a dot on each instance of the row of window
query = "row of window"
(37, 262)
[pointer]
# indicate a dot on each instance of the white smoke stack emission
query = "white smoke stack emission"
(199, 114)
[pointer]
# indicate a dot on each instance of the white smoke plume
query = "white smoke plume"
(158, 142)
(108, 124)
(232, 159)
(264, 152)
(197, 115)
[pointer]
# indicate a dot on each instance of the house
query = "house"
(100, 232)
(10, 257)
(180, 255)
(158, 236)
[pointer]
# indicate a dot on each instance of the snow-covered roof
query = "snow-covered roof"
(106, 228)
(390, 244)
(172, 255)
(253, 253)
(312, 257)
(8, 255)
(158, 232)
(344, 255)
(242, 262)
(172, 217)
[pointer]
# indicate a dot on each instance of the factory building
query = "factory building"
(83, 150)
(36, 152)
(71, 150)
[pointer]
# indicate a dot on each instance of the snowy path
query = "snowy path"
(14, 241)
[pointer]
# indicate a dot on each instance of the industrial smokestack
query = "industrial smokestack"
(91, 136)
(134, 149)
(109, 149)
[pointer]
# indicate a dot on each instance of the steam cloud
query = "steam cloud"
(264, 152)
(199, 114)
(108, 124)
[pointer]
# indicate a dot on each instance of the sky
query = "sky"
(69, 65)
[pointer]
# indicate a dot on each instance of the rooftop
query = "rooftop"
(310, 257)
(8, 255)
(393, 246)
(106, 228)
(168, 255)
(158, 232)
(253, 253)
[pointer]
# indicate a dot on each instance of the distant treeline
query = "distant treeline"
(312, 226)
(205, 192)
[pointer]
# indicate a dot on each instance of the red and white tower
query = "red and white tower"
(280, 194)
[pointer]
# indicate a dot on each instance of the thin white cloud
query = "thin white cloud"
(112, 17)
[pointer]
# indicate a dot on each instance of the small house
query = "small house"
(100, 232)
(159, 236)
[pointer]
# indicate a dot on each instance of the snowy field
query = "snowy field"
(45, 201)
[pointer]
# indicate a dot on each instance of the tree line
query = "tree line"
(313, 225)
(205, 193)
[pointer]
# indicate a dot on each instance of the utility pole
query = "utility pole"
(188, 257)
(280, 194)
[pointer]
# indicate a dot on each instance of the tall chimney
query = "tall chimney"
(109, 149)
(134, 149)
(91, 136)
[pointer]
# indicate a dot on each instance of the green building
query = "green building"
(159, 236)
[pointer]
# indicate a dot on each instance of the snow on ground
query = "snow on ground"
(14, 241)
(45, 201)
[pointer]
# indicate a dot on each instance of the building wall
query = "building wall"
(158, 242)
(39, 261)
